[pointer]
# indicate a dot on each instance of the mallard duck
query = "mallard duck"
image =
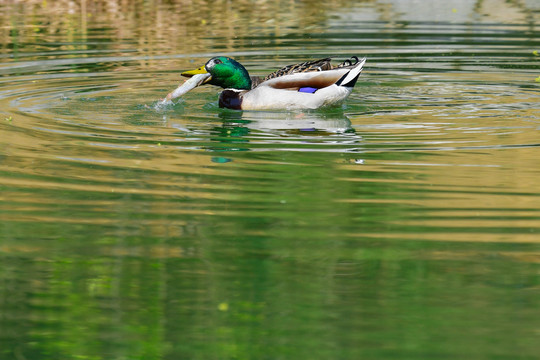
(308, 85)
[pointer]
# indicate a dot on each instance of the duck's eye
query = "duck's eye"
(217, 61)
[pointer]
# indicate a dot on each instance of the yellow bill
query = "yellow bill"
(190, 73)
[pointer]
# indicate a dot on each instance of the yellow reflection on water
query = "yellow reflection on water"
(196, 26)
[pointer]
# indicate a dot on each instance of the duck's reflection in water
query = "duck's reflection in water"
(298, 121)
(287, 131)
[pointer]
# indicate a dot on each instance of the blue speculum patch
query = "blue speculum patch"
(308, 89)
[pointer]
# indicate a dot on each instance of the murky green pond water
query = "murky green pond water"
(404, 224)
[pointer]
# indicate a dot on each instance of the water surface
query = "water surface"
(404, 224)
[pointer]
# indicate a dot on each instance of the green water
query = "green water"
(404, 224)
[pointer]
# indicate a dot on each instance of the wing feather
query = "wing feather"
(308, 66)
(317, 79)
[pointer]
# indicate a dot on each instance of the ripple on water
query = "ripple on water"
(188, 231)
(87, 124)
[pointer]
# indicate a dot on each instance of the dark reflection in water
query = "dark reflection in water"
(403, 224)
(286, 131)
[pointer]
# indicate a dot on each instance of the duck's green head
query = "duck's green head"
(225, 72)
